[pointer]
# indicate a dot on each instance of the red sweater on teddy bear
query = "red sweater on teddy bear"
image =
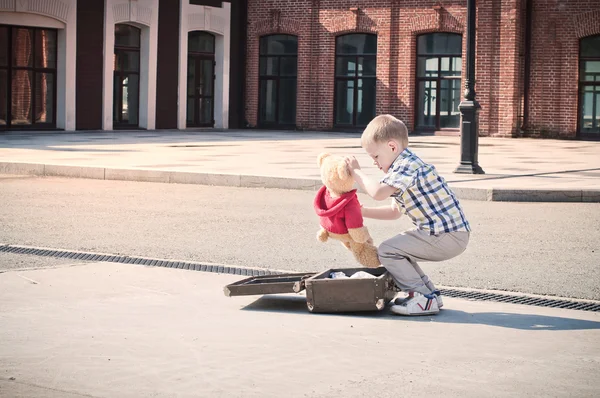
(336, 215)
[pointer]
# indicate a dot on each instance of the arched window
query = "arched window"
(201, 79)
(355, 79)
(27, 77)
(278, 71)
(589, 86)
(439, 66)
(126, 93)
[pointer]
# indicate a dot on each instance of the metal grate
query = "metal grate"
(152, 262)
(520, 299)
(223, 269)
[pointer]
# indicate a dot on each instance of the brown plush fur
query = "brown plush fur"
(338, 180)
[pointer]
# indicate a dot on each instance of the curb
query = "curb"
(255, 181)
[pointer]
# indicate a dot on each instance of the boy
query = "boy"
(442, 230)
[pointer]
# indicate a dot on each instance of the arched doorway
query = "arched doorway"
(126, 92)
(355, 79)
(439, 68)
(589, 86)
(278, 71)
(28, 58)
(201, 80)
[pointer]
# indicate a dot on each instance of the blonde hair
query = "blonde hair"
(384, 128)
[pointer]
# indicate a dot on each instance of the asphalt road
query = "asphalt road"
(542, 248)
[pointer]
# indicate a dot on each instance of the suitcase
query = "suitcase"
(324, 294)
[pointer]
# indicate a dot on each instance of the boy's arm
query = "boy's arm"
(373, 188)
(391, 212)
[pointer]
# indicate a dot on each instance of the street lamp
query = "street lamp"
(469, 107)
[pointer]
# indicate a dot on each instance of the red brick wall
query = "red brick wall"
(557, 26)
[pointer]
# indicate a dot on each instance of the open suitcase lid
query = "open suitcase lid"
(268, 284)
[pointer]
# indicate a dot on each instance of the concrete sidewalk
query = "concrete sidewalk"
(118, 330)
(516, 169)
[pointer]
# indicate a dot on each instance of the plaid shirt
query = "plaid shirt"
(424, 195)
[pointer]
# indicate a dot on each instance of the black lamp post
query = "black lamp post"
(469, 107)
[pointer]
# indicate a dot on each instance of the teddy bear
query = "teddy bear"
(338, 208)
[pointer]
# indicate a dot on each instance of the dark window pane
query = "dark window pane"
(590, 71)
(45, 48)
(3, 46)
(127, 36)
(127, 87)
(344, 101)
(365, 101)
(426, 104)
(449, 100)
(440, 43)
(288, 66)
(427, 66)
(205, 111)
(345, 66)
(3, 97)
(590, 46)
(127, 61)
(268, 98)
(356, 44)
(268, 66)
(590, 109)
(22, 84)
(367, 66)
(22, 47)
(117, 81)
(287, 101)
(130, 99)
(191, 76)
(279, 45)
(191, 111)
(206, 83)
(450, 66)
(201, 42)
(44, 98)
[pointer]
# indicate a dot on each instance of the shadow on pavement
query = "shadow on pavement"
(516, 321)
(297, 304)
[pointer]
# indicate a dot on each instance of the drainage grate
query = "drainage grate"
(526, 300)
(246, 271)
(153, 262)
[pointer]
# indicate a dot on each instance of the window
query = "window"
(439, 66)
(589, 86)
(278, 71)
(126, 91)
(355, 79)
(27, 77)
(200, 80)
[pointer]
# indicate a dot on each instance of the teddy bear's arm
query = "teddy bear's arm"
(360, 235)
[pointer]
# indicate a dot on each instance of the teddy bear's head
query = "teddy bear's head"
(335, 174)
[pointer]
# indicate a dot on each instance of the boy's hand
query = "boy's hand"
(352, 163)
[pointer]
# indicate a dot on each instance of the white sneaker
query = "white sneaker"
(438, 297)
(402, 300)
(419, 305)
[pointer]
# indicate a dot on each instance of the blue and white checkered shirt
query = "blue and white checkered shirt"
(424, 195)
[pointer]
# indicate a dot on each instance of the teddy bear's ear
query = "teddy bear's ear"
(343, 171)
(321, 157)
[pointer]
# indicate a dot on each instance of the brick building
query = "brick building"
(298, 64)
(537, 65)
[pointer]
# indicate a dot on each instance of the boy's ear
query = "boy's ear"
(322, 157)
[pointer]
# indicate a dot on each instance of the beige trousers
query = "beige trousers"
(399, 255)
